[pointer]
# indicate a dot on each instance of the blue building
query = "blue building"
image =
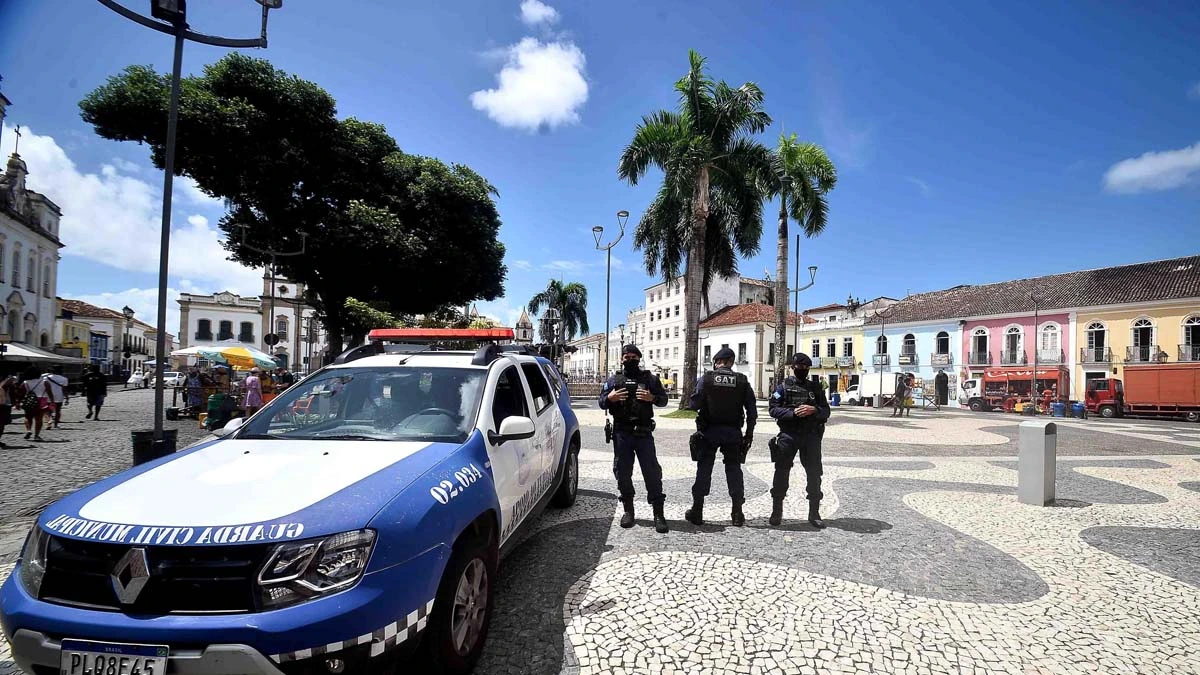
(923, 349)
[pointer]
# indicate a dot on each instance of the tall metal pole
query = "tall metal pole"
(607, 307)
(1033, 381)
(796, 303)
(165, 235)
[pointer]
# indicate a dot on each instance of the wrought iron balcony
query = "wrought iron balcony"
(1095, 355)
(881, 360)
(1008, 358)
(1050, 356)
(980, 358)
(1189, 353)
(908, 359)
(845, 361)
(829, 362)
(246, 337)
(941, 359)
(1144, 354)
(204, 335)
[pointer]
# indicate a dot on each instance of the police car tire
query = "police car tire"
(568, 490)
(439, 642)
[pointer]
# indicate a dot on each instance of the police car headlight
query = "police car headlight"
(33, 560)
(303, 570)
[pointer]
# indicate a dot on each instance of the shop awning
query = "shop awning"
(16, 351)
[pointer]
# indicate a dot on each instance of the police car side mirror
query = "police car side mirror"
(230, 427)
(513, 429)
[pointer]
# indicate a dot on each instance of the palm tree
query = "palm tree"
(570, 301)
(709, 207)
(801, 176)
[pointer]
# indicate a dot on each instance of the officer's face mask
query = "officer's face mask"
(800, 373)
(630, 367)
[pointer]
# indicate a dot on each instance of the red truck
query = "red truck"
(1002, 389)
(1161, 390)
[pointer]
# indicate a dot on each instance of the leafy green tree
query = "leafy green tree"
(381, 224)
(363, 317)
(801, 176)
(708, 209)
(570, 299)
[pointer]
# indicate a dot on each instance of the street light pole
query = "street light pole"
(270, 339)
(883, 334)
(597, 232)
(1033, 380)
(812, 279)
(174, 23)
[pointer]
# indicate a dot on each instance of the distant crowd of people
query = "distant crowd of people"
(42, 395)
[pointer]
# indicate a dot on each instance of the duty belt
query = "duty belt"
(636, 428)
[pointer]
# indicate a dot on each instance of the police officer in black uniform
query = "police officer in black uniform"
(722, 400)
(630, 396)
(799, 407)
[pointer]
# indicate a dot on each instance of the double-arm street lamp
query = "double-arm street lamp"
(172, 20)
(597, 232)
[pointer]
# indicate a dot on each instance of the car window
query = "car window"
(556, 382)
(510, 398)
(393, 403)
(542, 398)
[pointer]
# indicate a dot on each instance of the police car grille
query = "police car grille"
(183, 580)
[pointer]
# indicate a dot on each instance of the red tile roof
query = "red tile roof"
(81, 308)
(749, 313)
(824, 308)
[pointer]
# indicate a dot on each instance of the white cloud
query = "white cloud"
(542, 85)
(126, 165)
(114, 218)
(922, 185)
(534, 13)
(1194, 92)
(144, 303)
(502, 311)
(1164, 170)
(565, 266)
(522, 265)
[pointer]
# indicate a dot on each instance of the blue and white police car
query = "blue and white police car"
(354, 520)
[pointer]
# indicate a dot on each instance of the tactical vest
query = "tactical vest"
(723, 396)
(631, 411)
(797, 394)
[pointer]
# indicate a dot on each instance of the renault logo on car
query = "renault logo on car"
(130, 574)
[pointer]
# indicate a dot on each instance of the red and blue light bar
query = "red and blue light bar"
(435, 334)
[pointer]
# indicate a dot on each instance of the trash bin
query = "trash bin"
(1080, 410)
(1058, 409)
(835, 399)
(146, 449)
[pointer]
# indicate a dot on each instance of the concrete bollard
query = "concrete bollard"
(1036, 463)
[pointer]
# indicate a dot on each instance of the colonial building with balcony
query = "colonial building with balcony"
(1088, 324)
(832, 336)
(924, 348)
(749, 330)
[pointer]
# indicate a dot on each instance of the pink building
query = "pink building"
(1010, 341)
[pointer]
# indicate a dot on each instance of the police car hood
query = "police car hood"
(246, 491)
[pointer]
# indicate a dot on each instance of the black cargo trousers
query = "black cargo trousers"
(806, 443)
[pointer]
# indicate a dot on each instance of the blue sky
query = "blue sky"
(974, 142)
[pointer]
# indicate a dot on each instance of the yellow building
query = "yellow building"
(834, 342)
(1113, 338)
(71, 333)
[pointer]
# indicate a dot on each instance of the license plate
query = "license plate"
(83, 657)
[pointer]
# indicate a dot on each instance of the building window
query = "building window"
(1012, 339)
(30, 274)
(816, 348)
(1, 261)
(909, 346)
(831, 347)
(1190, 349)
(1143, 340)
(881, 346)
(676, 310)
(226, 330)
(46, 281)
(676, 331)
(675, 352)
(741, 352)
(246, 334)
(1048, 341)
(770, 352)
(791, 349)
(708, 353)
(281, 327)
(204, 329)
(943, 343)
(16, 273)
(848, 346)
(45, 341)
(1097, 340)
(980, 349)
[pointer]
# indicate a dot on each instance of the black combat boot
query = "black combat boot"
(736, 516)
(660, 521)
(814, 514)
(776, 511)
(627, 517)
(695, 515)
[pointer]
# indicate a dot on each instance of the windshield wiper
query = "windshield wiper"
(259, 437)
(349, 437)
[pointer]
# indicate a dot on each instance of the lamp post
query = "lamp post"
(1033, 392)
(127, 311)
(271, 339)
(597, 232)
(885, 315)
(812, 279)
(172, 20)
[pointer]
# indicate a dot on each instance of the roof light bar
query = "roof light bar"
(415, 335)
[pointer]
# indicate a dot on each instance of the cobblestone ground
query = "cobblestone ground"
(929, 564)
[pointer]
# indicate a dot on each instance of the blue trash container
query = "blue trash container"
(1058, 409)
(1080, 410)
(835, 399)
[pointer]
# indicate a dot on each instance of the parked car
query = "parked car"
(170, 379)
(358, 514)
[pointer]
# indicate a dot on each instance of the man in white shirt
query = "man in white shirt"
(57, 388)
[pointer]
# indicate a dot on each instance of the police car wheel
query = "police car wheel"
(568, 490)
(462, 610)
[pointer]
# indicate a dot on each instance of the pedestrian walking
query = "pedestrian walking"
(630, 396)
(800, 409)
(254, 392)
(723, 400)
(57, 389)
(35, 402)
(900, 399)
(95, 388)
(8, 393)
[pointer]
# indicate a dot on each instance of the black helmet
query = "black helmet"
(723, 354)
(802, 360)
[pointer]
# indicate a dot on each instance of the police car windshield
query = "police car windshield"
(389, 404)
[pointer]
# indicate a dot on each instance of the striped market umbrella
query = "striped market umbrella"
(236, 356)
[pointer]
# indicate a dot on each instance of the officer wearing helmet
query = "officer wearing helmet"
(722, 400)
(630, 396)
(799, 407)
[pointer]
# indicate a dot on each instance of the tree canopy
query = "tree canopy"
(407, 231)
(570, 301)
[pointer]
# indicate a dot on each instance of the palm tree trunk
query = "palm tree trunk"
(781, 291)
(693, 292)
